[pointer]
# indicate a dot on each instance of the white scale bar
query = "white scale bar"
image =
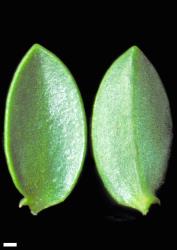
(14, 244)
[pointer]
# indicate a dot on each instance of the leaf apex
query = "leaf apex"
(36, 46)
(135, 49)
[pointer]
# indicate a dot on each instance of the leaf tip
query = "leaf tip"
(36, 46)
(133, 52)
(135, 49)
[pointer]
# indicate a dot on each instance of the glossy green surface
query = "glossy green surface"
(45, 130)
(132, 131)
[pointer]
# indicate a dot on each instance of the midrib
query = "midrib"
(133, 121)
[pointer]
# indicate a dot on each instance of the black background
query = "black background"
(88, 41)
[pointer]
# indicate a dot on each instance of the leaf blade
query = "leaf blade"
(45, 116)
(114, 133)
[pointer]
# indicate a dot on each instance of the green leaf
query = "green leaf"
(45, 130)
(132, 131)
